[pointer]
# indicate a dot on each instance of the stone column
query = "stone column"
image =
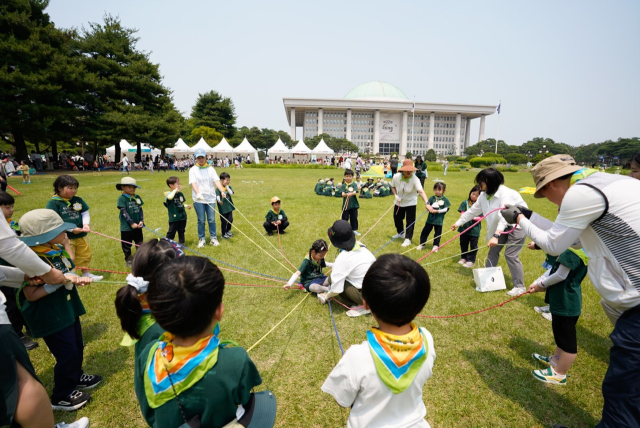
(467, 128)
(403, 136)
(293, 123)
(432, 124)
(376, 132)
(349, 124)
(481, 133)
(456, 137)
(320, 119)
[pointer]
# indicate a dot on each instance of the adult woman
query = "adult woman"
(421, 172)
(406, 187)
(495, 195)
(203, 178)
(635, 167)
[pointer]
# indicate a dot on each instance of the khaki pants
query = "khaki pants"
(81, 251)
(350, 293)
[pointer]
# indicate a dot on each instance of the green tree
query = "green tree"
(210, 135)
(215, 111)
(430, 155)
(516, 158)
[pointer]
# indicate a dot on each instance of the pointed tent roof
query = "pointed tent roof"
(301, 147)
(222, 147)
(180, 145)
(201, 145)
(124, 146)
(322, 149)
(245, 147)
(278, 148)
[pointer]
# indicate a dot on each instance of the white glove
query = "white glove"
(199, 197)
(398, 198)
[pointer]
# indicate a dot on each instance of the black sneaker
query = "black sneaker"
(225, 236)
(270, 233)
(88, 381)
(230, 234)
(75, 401)
(28, 343)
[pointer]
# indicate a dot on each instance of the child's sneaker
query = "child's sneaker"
(225, 236)
(92, 276)
(542, 358)
(80, 423)
(469, 264)
(214, 242)
(355, 232)
(420, 247)
(202, 243)
(353, 313)
(229, 234)
(398, 236)
(322, 298)
(548, 375)
(547, 316)
(129, 263)
(406, 243)
(75, 401)
(462, 261)
(88, 381)
(435, 249)
(541, 309)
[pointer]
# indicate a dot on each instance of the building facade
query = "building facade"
(380, 118)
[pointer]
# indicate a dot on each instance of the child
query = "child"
(337, 190)
(359, 182)
(189, 373)
(328, 188)
(53, 311)
(563, 293)
(310, 271)
(131, 216)
(350, 203)
(438, 206)
(365, 193)
(469, 238)
(25, 172)
(225, 206)
(174, 201)
(319, 186)
(72, 209)
(131, 300)
(276, 218)
(382, 378)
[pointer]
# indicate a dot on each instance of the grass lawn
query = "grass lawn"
(482, 371)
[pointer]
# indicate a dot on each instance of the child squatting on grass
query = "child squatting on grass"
(382, 378)
(277, 220)
(310, 270)
(189, 377)
(131, 216)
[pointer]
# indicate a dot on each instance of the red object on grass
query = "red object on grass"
(17, 193)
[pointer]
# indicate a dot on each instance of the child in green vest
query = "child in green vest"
(469, 239)
(319, 187)
(365, 193)
(328, 188)
(189, 376)
(350, 203)
(174, 201)
(310, 271)
(337, 190)
(563, 293)
(72, 209)
(276, 218)
(131, 216)
(131, 300)
(437, 207)
(225, 205)
(53, 311)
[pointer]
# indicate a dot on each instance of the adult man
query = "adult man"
(393, 163)
(36, 159)
(600, 210)
(406, 187)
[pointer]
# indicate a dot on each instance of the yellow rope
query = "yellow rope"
(430, 240)
(280, 322)
(374, 224)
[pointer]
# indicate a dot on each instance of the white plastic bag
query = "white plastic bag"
(489, 279)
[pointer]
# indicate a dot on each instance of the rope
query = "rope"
(374, 224)
(405, 229)
(426, 242)
(484, 247)
(279, 322)
(281, 250)
(335, 328)
(115, 239)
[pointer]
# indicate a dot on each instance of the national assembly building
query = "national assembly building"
(380, 118)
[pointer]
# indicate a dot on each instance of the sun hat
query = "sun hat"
(200, 153)
(552, 168)
(274, 200)
(341, 235)
(407, 165)
(127, 181)
(260, 412)
(41, 226)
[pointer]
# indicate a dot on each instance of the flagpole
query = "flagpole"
(413, 122)
(498, 133)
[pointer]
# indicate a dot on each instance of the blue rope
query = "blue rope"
(334, 327)
(405, 229)
(211, 258)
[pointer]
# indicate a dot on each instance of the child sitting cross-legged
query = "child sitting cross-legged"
(310, 271)
(52, 311)
(381, 379)
(188, 377)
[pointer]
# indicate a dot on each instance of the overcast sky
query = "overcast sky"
(565, 70)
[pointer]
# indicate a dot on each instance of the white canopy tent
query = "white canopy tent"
(180, 149)
(124, 149)
(246, 148)
(223, 147)
(201, 145)
(322, 149)
(301, 150)
(145, 150)
(278, 149)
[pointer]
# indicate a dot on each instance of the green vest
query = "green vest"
(437, 219)
(227, 204)
(175, 207)
(71, 213)
(133, 205)
(475, 230)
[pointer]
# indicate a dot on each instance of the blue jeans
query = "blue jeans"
(125, 169)
(202, 211)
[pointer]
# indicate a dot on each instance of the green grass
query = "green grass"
(482, 371)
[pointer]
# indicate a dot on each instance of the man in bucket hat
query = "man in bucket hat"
(406, 187)
(601, 211)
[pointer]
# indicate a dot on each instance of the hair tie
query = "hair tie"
(138, 283)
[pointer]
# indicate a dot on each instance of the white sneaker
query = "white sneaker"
(406, 243)
(435, 249)
(516, 291)
(92, 276)
(322, 298)
(80, 423)
(462, 261)
(202, 243)
(541, 309)
(399, 235)
(547, 316)
(214, 242)
(353, 313)
(468, 264)
(420, 247)
(355, 232)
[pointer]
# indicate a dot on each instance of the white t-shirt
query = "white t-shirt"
(355, 382)
(204, 178)
(351, 266)
(408, 192)
(125, 161)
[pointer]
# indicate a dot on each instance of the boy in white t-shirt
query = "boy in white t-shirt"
(382, 378)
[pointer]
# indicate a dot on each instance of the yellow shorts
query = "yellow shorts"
(81, 251)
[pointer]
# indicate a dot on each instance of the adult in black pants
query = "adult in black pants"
(393, 163)
(406, 187)
(3, 173)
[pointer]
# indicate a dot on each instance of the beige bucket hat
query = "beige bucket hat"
(552, 168)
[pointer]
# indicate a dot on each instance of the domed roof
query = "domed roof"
(376, 91)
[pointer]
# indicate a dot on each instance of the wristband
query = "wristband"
(497, 236)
